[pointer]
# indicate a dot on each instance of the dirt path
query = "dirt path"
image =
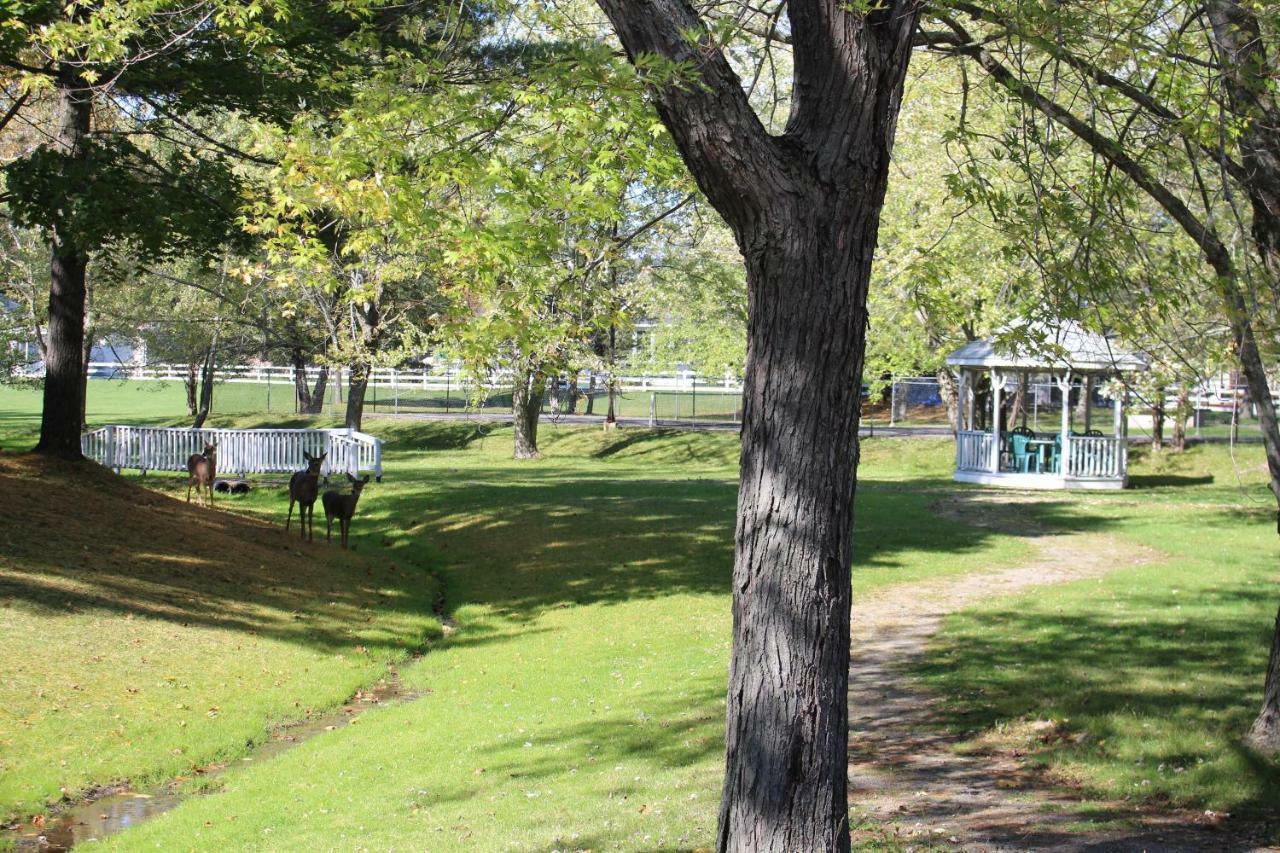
(903, 772)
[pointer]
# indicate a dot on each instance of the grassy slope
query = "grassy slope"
(143, 637)
(1153, 674)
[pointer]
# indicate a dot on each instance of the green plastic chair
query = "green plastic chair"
(1023, 459)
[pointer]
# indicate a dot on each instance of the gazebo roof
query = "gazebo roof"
(1039, 346)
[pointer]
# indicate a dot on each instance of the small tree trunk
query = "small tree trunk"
(356, 387)
(1157, 419)
(63, 411)
(318, 391)
(88, 354)
(1180, 412)
(1018, 408)
(1084, 404)
(950, 395)
(192, 384)
(611, 417)
(206, 383)
(571, 400)
(526, 406)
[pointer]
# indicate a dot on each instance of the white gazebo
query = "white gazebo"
(1013, 456)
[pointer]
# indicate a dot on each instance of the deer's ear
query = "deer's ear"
(323, 455)
(307, 456)
(349, 477)
(366, 479)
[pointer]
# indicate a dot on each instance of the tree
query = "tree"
(804, 207)
(127, 88)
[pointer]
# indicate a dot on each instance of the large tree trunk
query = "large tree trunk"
(526, 406)
(804, 208)
(64, 388)
(357, 384)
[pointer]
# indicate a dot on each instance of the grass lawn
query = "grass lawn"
(579, 703)
(1151, 675)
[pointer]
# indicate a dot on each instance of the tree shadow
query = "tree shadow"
(1094, 671)
(79, 538)
(1152, 481)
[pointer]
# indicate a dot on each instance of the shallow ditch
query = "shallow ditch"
(108, 810)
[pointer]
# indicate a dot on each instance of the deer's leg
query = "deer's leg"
(346, 527)
(289, 518)
(328, 527)
(188, 490)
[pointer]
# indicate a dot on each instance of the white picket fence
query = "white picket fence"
(240, 451)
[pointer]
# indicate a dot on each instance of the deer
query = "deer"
(202, 468)
(342, 507)
(304, 486)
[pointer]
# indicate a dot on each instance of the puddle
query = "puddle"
(110, 810)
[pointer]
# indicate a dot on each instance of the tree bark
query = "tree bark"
(357, 384)
(526, 406)
(63, 411)
(804, 208)
(1263, 733)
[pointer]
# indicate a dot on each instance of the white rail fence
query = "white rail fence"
(240, 451)
(444, 378)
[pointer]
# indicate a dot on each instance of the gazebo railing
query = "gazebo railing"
(1097, 458)
(1088, 458)
(240, 451)
(973, 451)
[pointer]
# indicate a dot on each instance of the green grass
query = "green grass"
(579, 704)
(1152, 674)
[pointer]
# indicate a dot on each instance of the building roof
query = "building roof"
(1040, 346)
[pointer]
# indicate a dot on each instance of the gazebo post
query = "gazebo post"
(1064, 464)
(1117, 413)
(997, 386)
(962, 401)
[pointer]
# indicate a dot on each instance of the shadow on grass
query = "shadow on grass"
(1103, 674)
(1152, 481)
(77, 538)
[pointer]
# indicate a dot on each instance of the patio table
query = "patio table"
(1040, 445)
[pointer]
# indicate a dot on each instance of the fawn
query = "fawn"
(342, 507)
(201, 470)
(304, 486)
